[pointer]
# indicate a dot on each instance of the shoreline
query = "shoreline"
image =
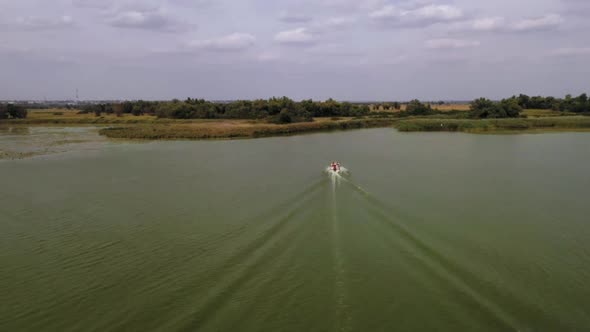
(220, 131)
(143, 128)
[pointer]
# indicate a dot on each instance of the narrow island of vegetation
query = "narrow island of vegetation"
(201, 119)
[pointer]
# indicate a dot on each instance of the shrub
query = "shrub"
(13, 111)
(415, 107)
(486, 109)
(284, 117)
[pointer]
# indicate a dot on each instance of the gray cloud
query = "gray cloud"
(576, 7)
(347, 49)
(445, 43)
(135, 14)
(332, 23)
(92, 4)
(39, 23)
(353, 5)
(289, 17)
(572, 51)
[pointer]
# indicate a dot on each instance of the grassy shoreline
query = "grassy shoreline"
(235, 131)
(565, 123)
(151, 128)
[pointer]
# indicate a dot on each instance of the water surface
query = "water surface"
(446, 232)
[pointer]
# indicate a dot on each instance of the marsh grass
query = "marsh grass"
(540, 113)
(150, 127)
(228, 130)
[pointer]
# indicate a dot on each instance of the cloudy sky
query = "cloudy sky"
(346, 49)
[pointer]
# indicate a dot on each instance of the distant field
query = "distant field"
(65, 116)
(534, 113)
(451, 107)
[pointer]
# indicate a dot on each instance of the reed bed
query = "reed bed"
(221, 130)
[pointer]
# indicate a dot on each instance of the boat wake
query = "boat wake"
(340, 172)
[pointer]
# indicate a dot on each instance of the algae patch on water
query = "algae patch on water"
(18, 142)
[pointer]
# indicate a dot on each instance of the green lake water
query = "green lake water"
(429, 232)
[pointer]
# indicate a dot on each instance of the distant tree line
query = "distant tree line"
(285, 110)
(580, 104)
(506, 108)
(511, 107)
(280, 110)
(479, 108)
(11, 111)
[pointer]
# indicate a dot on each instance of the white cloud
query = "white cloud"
(419, 16)
(539, 23)
(571, 51)
(149, 20)
(501, 24)
(299, 36)
(445, 43)
(387, 12)
(488, 24)
(233, 42)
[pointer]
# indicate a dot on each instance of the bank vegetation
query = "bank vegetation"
(201, 119)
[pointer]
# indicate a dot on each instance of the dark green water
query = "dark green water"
(445, 232)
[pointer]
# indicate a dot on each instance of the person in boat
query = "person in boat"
(335, 166)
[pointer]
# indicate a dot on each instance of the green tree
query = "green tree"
(581, 104)
(485, 108)
(3, 112)
(415, 107)
(510, 108)
(127, 107)
(524, 101)
(285, 117)
(15, 111)
(138, 108)
(310, 107)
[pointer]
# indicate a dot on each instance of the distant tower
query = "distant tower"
(77, 97)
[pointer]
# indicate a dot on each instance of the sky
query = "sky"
(244, 49)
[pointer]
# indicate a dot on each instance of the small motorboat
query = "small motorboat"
(335, 168)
